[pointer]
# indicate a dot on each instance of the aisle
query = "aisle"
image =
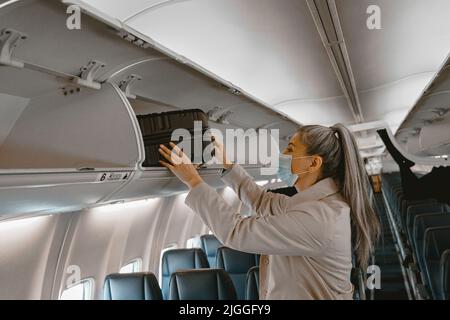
(392, 281)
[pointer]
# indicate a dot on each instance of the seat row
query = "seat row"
(186, 275)
(424, 226)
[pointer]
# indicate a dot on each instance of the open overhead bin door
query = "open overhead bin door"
(66, 152)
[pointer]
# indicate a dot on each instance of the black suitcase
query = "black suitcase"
(157, 129)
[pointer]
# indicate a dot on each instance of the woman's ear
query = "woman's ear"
(316, 164)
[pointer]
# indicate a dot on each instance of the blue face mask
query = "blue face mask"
(284, 169)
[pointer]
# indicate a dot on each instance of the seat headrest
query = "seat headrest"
(132, 286)
(237, 264)
(426, 208)
(201, 284)
(233, 261)
(210, 244)
(180, 259)
(183, 259)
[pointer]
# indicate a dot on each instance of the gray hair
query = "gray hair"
(341, 160)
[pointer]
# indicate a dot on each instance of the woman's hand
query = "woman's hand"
(180, 165)
(220, 155)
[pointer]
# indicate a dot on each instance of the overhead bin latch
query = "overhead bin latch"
(125, 85)
(10, 39)
(212, 114)
(89, 73)
(224, 117)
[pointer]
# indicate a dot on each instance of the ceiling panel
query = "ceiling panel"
(393, 101)
(414, 38)
(393, 65)
(268, 48)
(325, 112)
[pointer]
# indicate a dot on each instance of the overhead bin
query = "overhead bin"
(60, 146)
(75, 131)
(69, 135)
(63, 145)
(413, 145)
(166, 85)
(48, 193)
(162, 85)
(428, 122)
(435, 139)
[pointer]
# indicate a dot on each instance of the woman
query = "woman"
(306, 239)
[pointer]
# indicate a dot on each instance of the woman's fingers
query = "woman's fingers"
(180, 165)
(177, 150)
(166, 155)
(165, 149)
(182, 157)
(219, 152)
(171, 156)
(167, 165)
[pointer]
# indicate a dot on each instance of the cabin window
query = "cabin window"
(193, 242)
(132, 267)
(80, 291)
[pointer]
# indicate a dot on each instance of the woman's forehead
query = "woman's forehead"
(296, 139)
(297, 142)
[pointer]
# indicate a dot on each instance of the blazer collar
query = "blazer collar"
(322, 189)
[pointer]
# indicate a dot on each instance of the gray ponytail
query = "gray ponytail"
(341, 161)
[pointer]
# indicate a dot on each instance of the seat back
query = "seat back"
(252, 288)
(412, 206)
(210, 244)
(132, 286)
(237, 264)
(201, 284)
(422, 222)
(180, 259)
(445, 271)
(436, 241)
(416, 209)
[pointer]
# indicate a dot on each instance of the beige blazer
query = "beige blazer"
(304, 240)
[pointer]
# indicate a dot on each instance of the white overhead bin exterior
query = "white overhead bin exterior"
(74, 131)
(47, 164)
